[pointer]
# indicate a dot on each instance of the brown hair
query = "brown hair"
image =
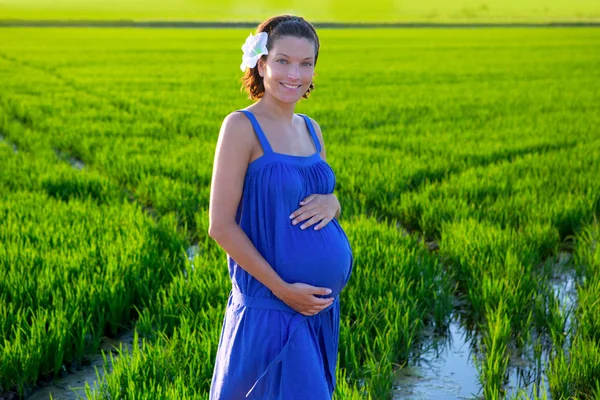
(277, 27)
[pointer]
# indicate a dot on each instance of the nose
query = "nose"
(294, 72)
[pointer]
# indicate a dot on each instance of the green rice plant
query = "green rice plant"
(492, 265)
(496, 338)
(71, 274)
(205, 282)
(493, 194)
(557, 317)
(522, 395)
(345, 390)
(153, 371)
(577, 372)
(406, 294)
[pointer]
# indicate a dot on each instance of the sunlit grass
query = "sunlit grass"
(328, 10)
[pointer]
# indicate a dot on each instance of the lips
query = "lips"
(288, 86)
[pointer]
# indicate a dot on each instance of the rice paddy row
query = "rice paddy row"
(106, 156)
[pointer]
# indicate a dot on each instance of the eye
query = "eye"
(308, 64)
(281, 60)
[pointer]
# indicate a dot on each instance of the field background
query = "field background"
(466, 163)
(312, 10)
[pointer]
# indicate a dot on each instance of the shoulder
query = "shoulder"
(235, 121)
(236, 135)
(236, 126)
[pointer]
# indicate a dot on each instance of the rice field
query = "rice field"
(467, 162)
(485, 11)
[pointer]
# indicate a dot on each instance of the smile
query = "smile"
(290, 86)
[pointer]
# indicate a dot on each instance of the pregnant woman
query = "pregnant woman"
(272, 209)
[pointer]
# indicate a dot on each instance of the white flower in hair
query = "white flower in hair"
(253, 49)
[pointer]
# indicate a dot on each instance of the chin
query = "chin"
(288, 100)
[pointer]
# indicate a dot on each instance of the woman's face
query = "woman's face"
(289, 68)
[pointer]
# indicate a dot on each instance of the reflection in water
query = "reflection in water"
(527, 372)
(446, 370)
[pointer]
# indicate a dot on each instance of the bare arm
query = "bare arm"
(232, 155)
(230, 164)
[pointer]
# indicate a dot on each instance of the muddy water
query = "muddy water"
(527, 373)
(564, 286)
(447, 371)
(72, 386)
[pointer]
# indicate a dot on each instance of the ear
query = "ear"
(261, 67)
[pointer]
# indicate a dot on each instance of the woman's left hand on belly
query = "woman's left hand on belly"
(315, 208)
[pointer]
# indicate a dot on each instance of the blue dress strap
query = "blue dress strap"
(259, 132)
(313, 134)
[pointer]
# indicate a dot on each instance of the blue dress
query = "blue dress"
(267, 350)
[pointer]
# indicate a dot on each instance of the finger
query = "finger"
(297, 212)
(321, 290)
(323, 307)
(321, 302)
(327, 305)
(308, 199)
(311, 221)
(301, 211)
(321, 224)
(308, 213)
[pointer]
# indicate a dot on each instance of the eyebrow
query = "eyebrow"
(281, 54)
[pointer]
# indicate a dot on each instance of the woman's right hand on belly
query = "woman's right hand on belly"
(301, 297)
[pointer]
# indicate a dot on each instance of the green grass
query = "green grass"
(575, 370)
(316, 11)
(482, 140)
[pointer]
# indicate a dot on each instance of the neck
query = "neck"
(279, 111)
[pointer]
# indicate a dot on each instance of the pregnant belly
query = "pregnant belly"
(320, 258)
